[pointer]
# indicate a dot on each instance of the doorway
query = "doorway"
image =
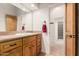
(57, 30)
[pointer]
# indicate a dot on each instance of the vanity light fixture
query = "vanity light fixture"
(24, 9)
(32, 5)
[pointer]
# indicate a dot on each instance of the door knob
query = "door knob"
(71, 36)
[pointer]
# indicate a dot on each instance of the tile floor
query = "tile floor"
(57, 48)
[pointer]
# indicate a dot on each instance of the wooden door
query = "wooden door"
(11, 23)
(70, 29)
(27, 51)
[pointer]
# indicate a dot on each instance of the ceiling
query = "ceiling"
(28, 7)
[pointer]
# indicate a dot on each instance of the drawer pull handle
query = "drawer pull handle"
(13, 45)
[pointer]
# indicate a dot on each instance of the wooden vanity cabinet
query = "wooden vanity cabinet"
(26, 46)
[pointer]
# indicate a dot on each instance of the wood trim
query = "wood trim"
(65, 30)
(74, 28)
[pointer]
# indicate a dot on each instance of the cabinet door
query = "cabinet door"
(16, 54)
(33, 47)
(33, 50)
(38, 50)
(27, 51)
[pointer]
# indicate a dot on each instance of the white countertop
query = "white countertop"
(15, 36)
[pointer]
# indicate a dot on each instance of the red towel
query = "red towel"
(44, 28)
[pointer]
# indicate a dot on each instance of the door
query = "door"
(70, 29)
(11, 23)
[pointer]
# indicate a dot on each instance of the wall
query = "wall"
(38, 18)
(4, 10)
(27, 20)
(19, 22)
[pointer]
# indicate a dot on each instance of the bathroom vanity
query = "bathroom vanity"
(20, 44)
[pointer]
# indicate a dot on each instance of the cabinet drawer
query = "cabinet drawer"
(6, 46)
(28, 44)
(38, 42)
(38, 39)
(33, 42)
(28, 39)
(39, 36)
(14, 52)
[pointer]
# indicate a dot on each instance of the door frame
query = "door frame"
(76, 31)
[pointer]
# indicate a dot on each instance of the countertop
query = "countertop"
(12, 36)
